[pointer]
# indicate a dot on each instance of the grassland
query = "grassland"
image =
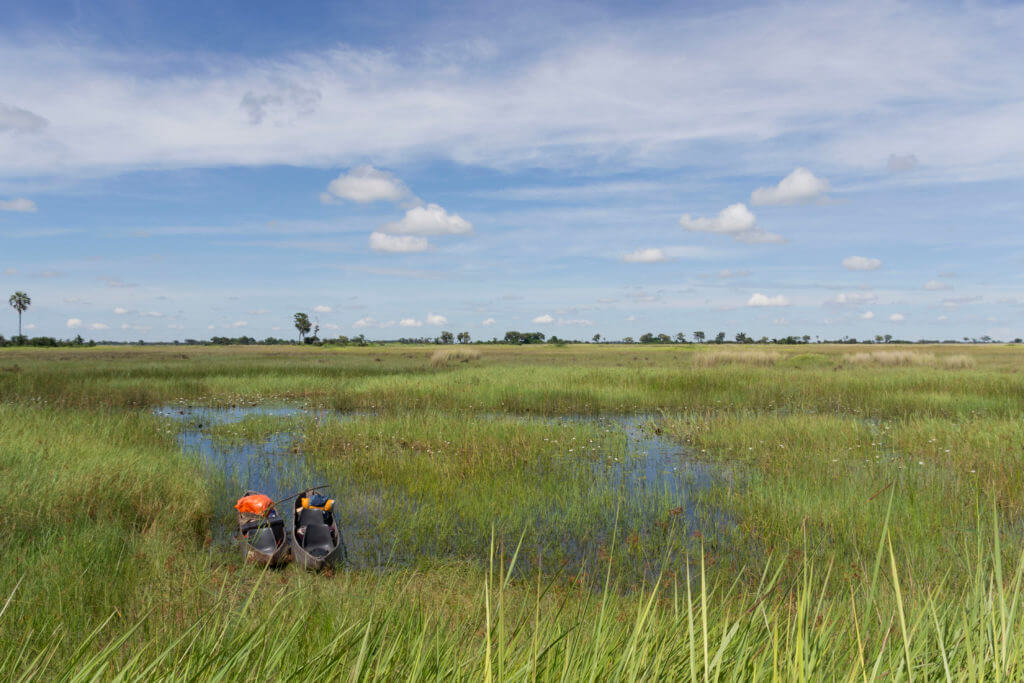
(874, 500)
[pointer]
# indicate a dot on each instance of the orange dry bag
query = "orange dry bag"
(255, 504)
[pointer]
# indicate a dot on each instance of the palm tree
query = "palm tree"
(20, 302)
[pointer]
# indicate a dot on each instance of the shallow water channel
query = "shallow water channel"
(655, 481)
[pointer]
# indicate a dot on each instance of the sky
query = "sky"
(395, 169)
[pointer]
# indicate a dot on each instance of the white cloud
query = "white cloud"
(151, 314)
(867, 315)
(429, 220)
(397, 244)
(488, 322)
(942, 318)
(239, 323)
(322, 309)
(19, 204)
(759, 236)
(653, 255)
(898, 163)
(18, 120)
(897, 317)
(853, 299)
(10, 271)
(544, 319)
(74, 323)
(759, 299)
(732, 220)
(30, 326)
(366, 184)
(99, 326)
(332, 326)
(861, 263)
(433, 319)
(575, 321)
(120, 311)
(547, 107)
(364, 322)
(410, 322)
(799, 186)
(175, 326)
(936, 285)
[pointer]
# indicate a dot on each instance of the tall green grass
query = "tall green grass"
(876, 518)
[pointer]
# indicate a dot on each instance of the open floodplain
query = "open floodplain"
(550, 512)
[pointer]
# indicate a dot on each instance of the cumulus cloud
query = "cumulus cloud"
(120, 311)
(364, 322)
(366, 184)
(897, 317)
(936, 285)
(435, 319)
(322, 309)
(898, 164)
(429, 220)
(867, 315)
(798, 187)
(397, 244)
(646, 256)
(544, 319)
(152, 314)
(410, 322)
(19, 204)
(759, 299)
(99, 326)
(861, 263)
(74, 323)
(488, 322)
(732, 220)
(736, 220)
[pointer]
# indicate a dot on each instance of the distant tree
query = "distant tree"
(887, 338)
(806, 338)
(647, 338)
(446, 338)
(985, 338)
(699, 336)
(742, 338)
(303, 325)
(1018, 340)
(664, 339)
(596, 339)
(720, 338)
(680, 338)
(78, 341)
(463, 337)
(20, 302)
(627, 340)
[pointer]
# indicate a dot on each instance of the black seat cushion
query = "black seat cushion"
(311, 516)
(263, 539)
(317, 540)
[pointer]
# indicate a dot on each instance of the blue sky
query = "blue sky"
(197, 169)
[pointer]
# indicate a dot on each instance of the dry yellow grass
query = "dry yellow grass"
(747, 357)
(910, 358)
(442, 357)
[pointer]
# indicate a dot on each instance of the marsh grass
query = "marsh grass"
(876, 518)
(757, 358)
(911, 359)
(443, 357)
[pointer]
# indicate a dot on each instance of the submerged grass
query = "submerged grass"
(875, 517)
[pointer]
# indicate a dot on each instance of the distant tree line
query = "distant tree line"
(309, 333)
